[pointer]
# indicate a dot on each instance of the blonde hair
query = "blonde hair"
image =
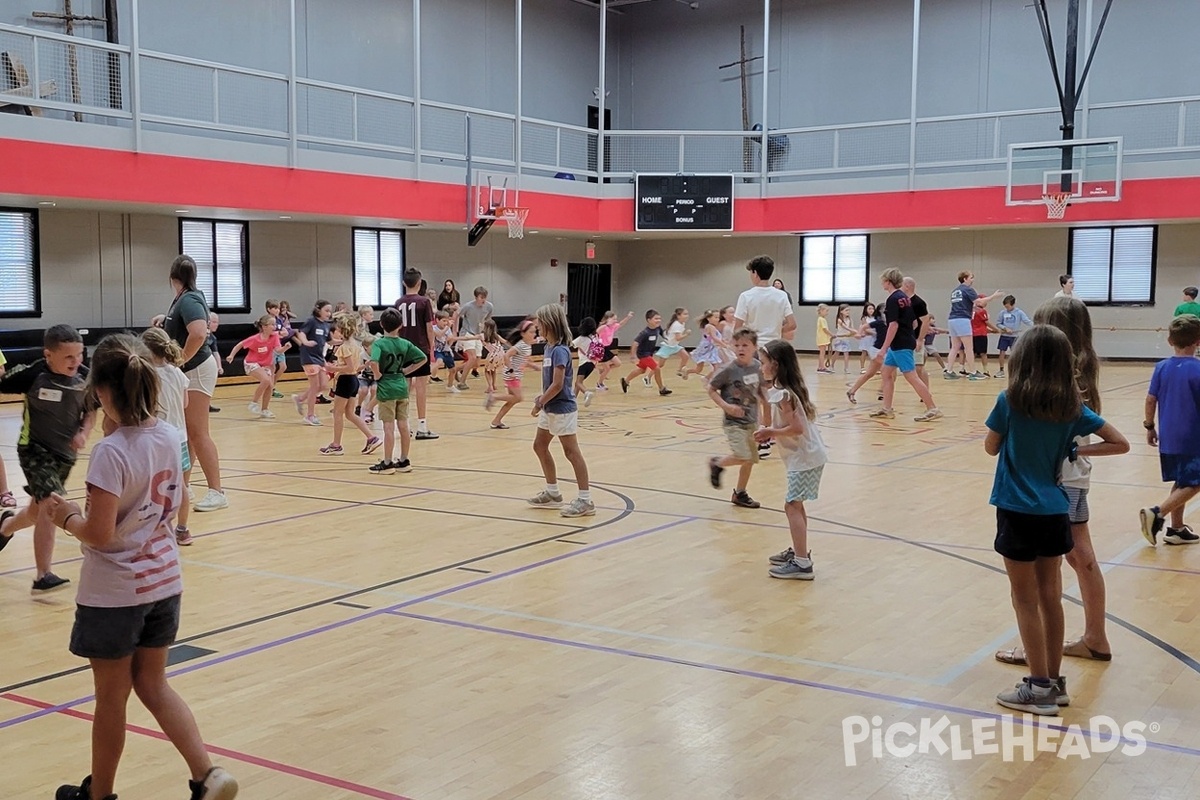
(346, 324)
(552, 321)
(893, 276)
(122, 365)
(162, 346)
(265, 319)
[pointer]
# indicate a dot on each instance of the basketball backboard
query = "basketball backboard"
(1088, 169)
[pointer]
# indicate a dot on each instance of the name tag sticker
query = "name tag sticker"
(50, 395)
(752, 380)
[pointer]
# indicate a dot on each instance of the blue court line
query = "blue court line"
(574, 553)
(910, 702)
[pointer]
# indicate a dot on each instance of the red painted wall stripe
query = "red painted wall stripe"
(67, 172)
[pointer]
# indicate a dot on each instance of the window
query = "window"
(221, 251)
(19, 290)
(1114, 266)
(378, 266)
(833, 269)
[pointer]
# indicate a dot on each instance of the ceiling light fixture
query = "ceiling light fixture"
(49, 203)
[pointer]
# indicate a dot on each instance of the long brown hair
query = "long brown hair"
(122, 365)
(788, 375)
(1041, 380)
(1072, 318)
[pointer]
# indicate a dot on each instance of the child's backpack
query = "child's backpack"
(595, 350)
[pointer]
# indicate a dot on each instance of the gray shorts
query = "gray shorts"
(1078, 505)
(114, 633)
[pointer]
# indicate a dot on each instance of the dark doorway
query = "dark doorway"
(589, 291)
(593, 122)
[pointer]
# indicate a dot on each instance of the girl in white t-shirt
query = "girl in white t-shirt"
(676, 332)
(794, 428)
(127, 606)
(166, 356)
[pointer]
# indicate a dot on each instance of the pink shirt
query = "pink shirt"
(607, 332)
(261, 351)
(140, 564)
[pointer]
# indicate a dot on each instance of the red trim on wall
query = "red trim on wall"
(64, 172)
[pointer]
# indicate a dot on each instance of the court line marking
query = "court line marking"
(235, 755)
(829, 687)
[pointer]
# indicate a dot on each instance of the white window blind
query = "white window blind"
(220, 251)
(833, 269)
(18, 267)
(378, 266)
(1113, 265)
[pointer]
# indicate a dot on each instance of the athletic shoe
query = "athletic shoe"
(183, 537)
(600, 387)
(322, 400)
(764, 450)
(1182, 535)
(489, 400)
(664, 391)
(744, 500)
(333, 450)
(579, 508)
(313, 420)
(4, 540)
(266, 414)
(1061, 698)
(646, 381)
(883, 413)
(792, 570)
(1001, 374)
(474, 373)
(48, 583)
(544, 499)
(977, 376)
(624, 386)
(217, 785)
(255, 408)
(587, 398)
(1152, 523)
(434, 379)
(462, 387)
(404, 465)
(452, 388)
(299, 404)
(213, 410)
(930, 415)
(714, 472)
(950, 376)
(425, 435)
(384, 467)
(212, 501)
(372, 445)
(782, 557)
(81, 792)
(277, 395)
(1031, 699)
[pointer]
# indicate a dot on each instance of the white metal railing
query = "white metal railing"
(75, 78)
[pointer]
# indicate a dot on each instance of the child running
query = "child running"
(1174, 389)
(312, 339)
(794, 428)
(344, 373)
(260, 364)
(392, 360)
(127, 608)
(1032, 428)
(558, 416)
(514, 368)
(166, 356)
(841, 339)
(737, 389)
(1010, 322)
(642, 353)
(672, 342)
(56, 425)
(874, 332)
(607, 331)
(492, 359)
(591, 351)
(708, 352)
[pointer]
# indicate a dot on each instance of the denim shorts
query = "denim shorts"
(114, 633)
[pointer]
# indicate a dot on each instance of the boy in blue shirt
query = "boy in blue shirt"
(1010, 322)
(1175, 396)
(642, 353)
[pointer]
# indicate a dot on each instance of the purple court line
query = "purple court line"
(829, 687)
(259, 648)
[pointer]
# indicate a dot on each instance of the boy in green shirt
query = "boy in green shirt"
(392, 360)
(1189, 304)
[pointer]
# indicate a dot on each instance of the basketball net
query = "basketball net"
(1056, 204)
(514, 218)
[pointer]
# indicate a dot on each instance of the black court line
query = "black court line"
(629, 509)
(480, 571)
(352, 605)
(571, 541)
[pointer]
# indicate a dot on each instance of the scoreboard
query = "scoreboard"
(684, 203)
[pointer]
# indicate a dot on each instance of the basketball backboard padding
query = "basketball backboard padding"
(1091, 172)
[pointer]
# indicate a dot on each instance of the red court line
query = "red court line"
(246, 758)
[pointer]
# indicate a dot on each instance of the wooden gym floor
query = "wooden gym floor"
(430, 636)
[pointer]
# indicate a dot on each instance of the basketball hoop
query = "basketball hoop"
(514, 218)
(1056, 204)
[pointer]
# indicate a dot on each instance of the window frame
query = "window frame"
(36, 311)
(245, 307)
(378, 261)
(801, 300)
(1111, 247)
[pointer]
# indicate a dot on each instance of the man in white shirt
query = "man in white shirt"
(1068, 286)
(763, 308)
(768, 312)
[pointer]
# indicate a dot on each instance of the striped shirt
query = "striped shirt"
(516, 364)
(140, 564)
